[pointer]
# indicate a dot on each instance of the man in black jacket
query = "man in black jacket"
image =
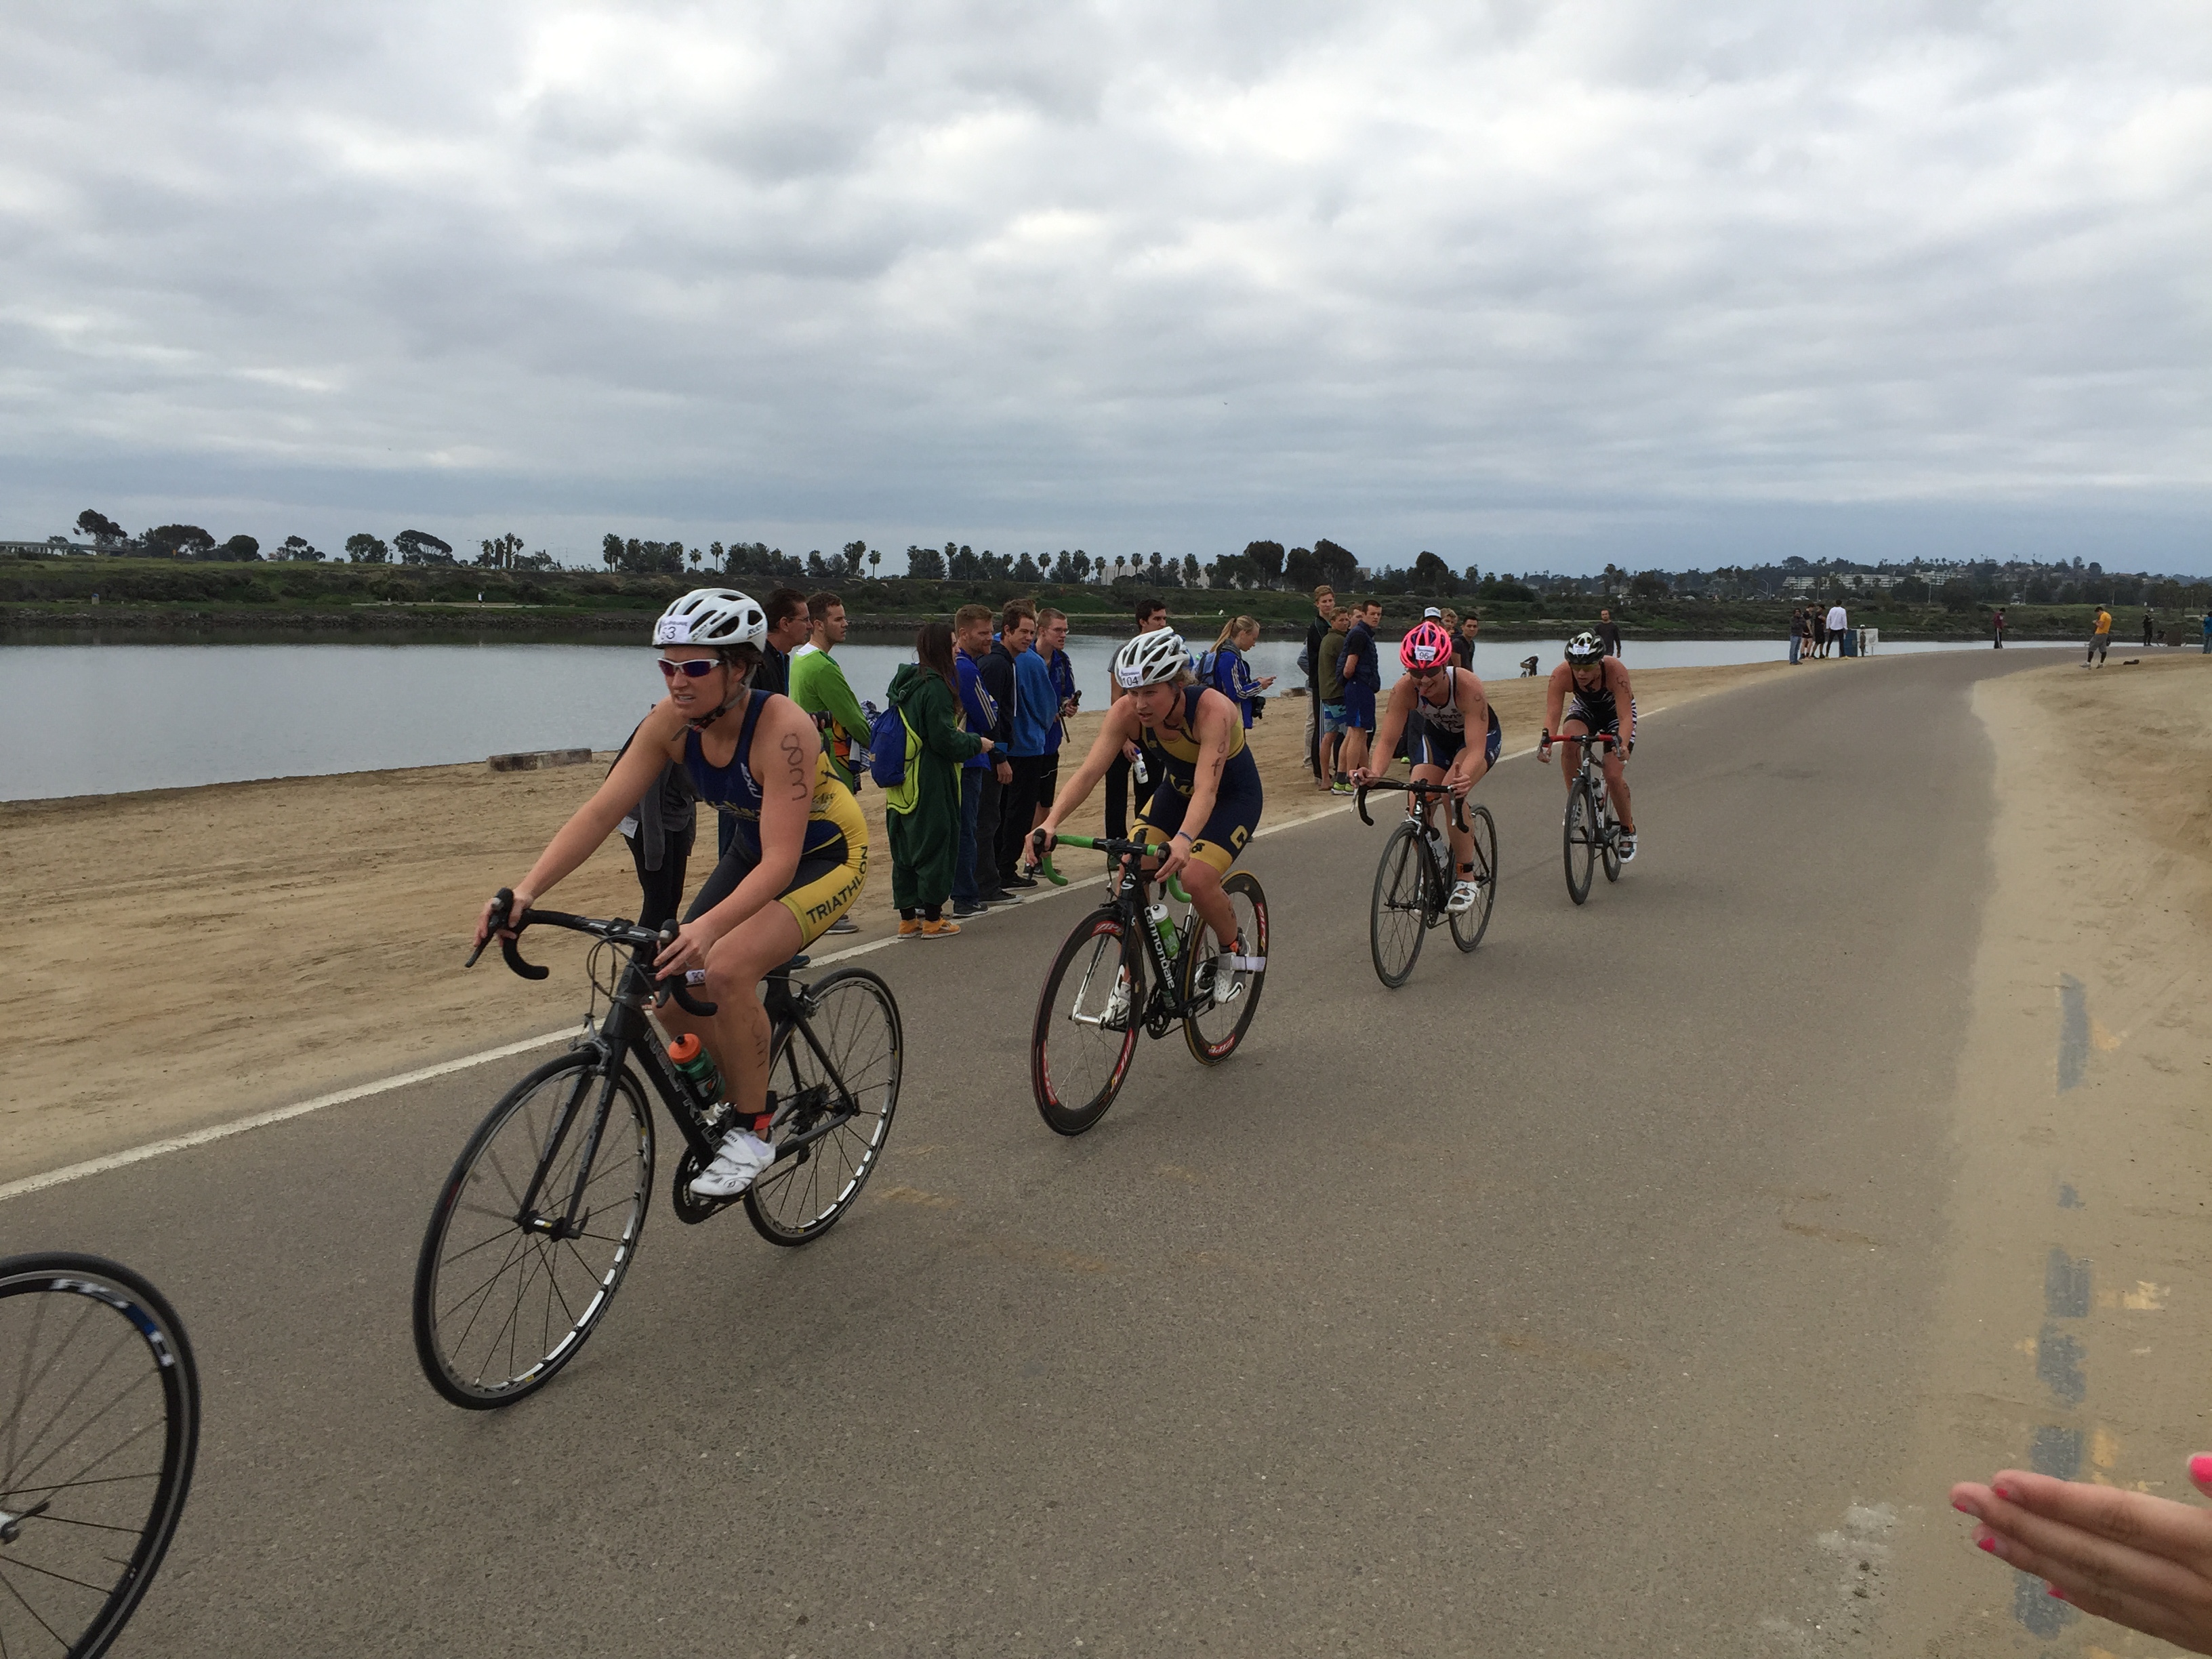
(1316, 631)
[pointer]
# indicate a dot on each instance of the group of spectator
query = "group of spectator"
(1344, 673)
(1814, 632)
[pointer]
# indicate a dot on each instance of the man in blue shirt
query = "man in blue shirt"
(1010, 829)
(1045, 681)
(979, 776)
(1363, 678)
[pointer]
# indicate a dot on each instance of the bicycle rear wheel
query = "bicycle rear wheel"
(504, 1296)
(1213, 1029)
(100, 1425)
(855, 1019)
(1579, 837)
(1468, 927)
(1398, 919)
(1087, 1020)
(1608, 842)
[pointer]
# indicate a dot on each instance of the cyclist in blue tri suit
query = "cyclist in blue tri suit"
(1435, 703)
(1203, 776)
(1590, 695)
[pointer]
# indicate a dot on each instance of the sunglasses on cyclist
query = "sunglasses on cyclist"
(1427, 673)
(698, 668)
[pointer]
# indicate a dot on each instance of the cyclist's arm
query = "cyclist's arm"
(1119, 727)
(652, 746)
(1475, 714)
(1555, 699)
(1217, 718)
(1388, 730)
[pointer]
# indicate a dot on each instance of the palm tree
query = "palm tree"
(875, 560)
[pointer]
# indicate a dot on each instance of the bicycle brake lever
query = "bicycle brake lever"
(675, 989)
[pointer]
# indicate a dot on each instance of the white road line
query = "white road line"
(39, 1183)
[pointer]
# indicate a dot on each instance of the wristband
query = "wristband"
(1183, 835)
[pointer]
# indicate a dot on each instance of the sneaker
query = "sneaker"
(964, 907)
(909, 925)
(1626, 847)
(1465, 895)
(1000, 895)
(842, 924)
(742, 1157)
(938, 929)
(1340, 789)
(1017, 881)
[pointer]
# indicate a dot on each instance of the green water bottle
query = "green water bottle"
(689, 1056)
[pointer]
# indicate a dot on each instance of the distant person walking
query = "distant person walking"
(1798, 635)
(1608, 635)
(2147, 628)
(2100, 639)
(1324, 599)
(922, 816)
(1839, 629)
(1997, 628)
(1817, 620)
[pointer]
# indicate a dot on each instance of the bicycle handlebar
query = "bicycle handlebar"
(1610, 739)
(617, 932)
(1113, 849)
(1412, 788)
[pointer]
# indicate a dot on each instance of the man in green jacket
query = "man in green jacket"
(818, 685)
(923, 816)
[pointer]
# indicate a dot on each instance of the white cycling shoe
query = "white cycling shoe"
(1626, 847)
(1116, 1017)
(1465, 895)
(743, 1156)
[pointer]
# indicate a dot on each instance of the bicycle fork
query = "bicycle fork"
(570, 1223)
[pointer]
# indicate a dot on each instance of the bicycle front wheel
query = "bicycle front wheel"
(850, 1070)
(99, 1417)
(506, 1292)
(1087, 1020)
(1608, 842)
(1469, 925)
(1399, 919)
(1579, 839)
(1219, 1016)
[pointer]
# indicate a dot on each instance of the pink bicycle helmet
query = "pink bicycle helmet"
(1426, 645)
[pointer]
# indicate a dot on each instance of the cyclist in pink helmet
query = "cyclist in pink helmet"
(1444, 703)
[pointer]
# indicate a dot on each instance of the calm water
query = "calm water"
(97, 720)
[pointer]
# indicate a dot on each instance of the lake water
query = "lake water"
(100, 718)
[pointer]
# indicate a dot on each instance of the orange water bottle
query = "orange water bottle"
(689, 1056)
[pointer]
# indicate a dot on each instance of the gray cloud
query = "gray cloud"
(1535, 284)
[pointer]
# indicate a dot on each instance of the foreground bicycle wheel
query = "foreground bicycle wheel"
(1579, 840)
(1468, 927)
(1399, 919)
(799, 1197)
(1608, 842)
(1087, 1019)
(504, 1296)
(1214, 1029)
(100, 1424)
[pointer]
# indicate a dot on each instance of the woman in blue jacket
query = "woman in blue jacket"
(1231, 675)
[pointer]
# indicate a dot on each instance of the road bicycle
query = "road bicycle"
(539, 1220)
(1590, 832)
(1131, 965)
(100, 1425)
(1413, 880)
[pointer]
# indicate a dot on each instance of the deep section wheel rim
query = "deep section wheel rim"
(1578, 832)
(502, 1304)
(856, 1021)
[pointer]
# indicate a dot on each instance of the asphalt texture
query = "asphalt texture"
(1535, 1308)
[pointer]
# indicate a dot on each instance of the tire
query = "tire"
(478, 1350)
(97, 1463)
(1468, 930)
(1077, 1063)
(1579, 836)
(1214, 1033)
(1397, 916)
(855, 1018)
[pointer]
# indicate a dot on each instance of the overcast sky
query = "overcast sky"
(1532, 286)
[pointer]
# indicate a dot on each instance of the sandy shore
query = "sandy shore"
(189, 956)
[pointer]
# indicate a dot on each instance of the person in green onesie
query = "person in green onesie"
(818, 685)
(922, 815)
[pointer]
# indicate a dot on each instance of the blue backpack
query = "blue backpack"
(889, 740)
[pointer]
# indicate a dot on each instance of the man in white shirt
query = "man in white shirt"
(1836, 625)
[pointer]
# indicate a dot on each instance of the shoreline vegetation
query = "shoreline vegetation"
(94, 601)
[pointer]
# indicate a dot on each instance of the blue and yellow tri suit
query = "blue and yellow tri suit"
(833, 862)
(1171, 757)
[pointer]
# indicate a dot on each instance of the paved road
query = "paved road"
(1532, 1309)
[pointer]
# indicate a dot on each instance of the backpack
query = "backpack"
(891, 744)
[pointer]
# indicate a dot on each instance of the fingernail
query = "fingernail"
(2053, 1590)
(1989, 1544)
(1962, 1509)
(2200, 1467)
(2004, 1492)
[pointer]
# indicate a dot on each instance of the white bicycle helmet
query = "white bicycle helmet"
(1151, 660)
(712, 616)
(1585, 650)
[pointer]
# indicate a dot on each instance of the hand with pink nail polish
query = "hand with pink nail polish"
(2139, 1561)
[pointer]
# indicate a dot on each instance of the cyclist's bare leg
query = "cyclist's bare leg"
(1571, 756)
(1462, 843)
(1616, 789)
(738, 1035)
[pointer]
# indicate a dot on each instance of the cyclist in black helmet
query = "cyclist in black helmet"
(1590, 695)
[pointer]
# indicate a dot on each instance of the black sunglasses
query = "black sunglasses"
(698, 668)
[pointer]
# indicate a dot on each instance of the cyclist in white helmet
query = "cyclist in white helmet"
(1206, 786)
(796, 863)
(1590, 695)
